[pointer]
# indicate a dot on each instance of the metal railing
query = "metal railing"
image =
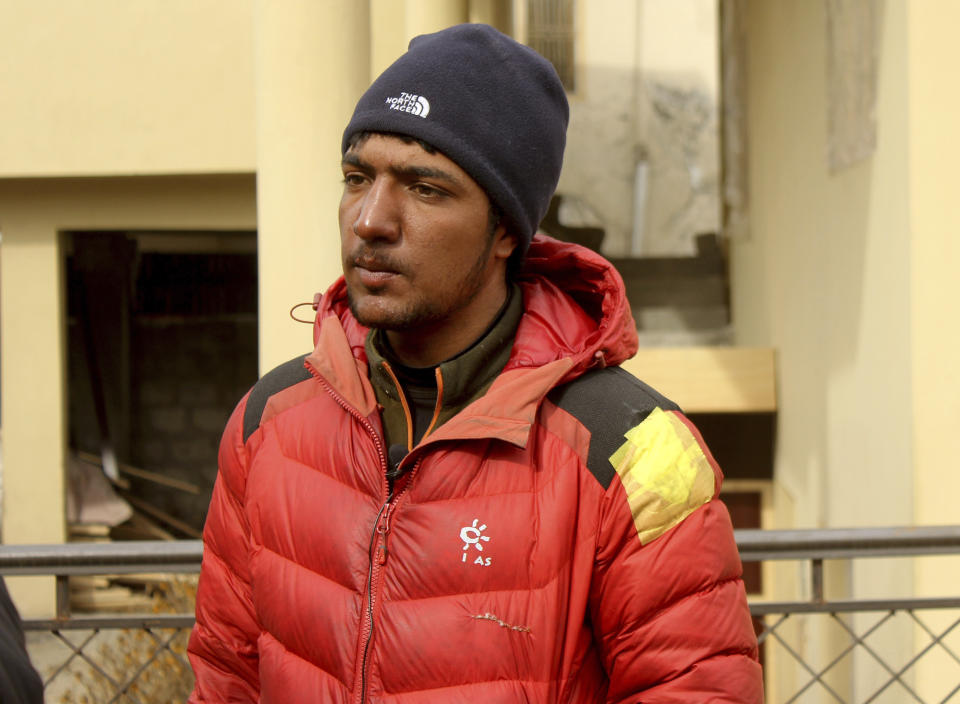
(891, 680)
(135, 657)
(773, 617)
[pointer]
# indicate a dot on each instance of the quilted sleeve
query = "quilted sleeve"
(223, 644)
(667, 600)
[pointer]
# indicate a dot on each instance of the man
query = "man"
(19, 681)
(458, 496)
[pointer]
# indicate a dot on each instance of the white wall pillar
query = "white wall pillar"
(425, 16)
(312, 63)
(393, 23)
(497, 13)
(388, 34)
(34, 407)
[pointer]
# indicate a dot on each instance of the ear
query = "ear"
(504, 242)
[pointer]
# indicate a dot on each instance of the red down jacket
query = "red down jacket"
(559, 540)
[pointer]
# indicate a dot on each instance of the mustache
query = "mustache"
(374, 260)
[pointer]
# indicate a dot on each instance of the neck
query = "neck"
(431, 344)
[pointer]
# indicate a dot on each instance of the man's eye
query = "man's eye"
(422, 189)
(353, 179)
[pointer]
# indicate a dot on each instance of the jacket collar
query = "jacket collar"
(470, 372)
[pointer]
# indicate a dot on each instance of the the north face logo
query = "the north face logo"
(409, 102)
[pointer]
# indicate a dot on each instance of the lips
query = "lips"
(372, 271)
(373, 280)
(375, 268)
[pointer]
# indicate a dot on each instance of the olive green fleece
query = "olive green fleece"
(466, 377)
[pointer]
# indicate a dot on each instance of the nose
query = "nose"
(378, 214)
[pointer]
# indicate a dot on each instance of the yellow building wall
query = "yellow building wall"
(108, 87)
(935, 285)
(824, 272)
(934, 106)
(312, 64)
(824, 276)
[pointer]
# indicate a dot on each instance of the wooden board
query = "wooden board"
(710, 379)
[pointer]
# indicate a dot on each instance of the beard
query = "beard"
(418, 310)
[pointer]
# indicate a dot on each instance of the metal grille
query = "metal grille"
(889, 678)
(815, 650)
(145, 665)
(550, 33)
(856, 650)
(137, 658)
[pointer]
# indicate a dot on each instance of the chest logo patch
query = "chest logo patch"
(473, 535)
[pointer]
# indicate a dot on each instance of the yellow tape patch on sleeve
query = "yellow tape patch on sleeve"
(665, 473)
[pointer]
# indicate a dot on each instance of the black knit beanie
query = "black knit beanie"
(490, 104)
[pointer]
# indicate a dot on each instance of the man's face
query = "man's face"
(419, 253)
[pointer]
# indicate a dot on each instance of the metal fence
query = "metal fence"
(121, 657)
(141, 658)
(851, 631)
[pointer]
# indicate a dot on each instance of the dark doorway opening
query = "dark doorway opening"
(162, 343)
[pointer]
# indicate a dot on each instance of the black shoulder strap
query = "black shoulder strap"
(274, 381)
(608, 402)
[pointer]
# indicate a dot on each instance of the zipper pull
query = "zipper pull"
(385, 523)
(383, 527)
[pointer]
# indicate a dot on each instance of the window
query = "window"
(550, 32)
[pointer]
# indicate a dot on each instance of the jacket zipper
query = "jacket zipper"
(381, 528)
(378, 558)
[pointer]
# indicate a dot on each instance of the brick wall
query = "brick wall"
(174, 339)
(187, 376)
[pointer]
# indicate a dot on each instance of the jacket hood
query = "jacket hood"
(575, 308)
